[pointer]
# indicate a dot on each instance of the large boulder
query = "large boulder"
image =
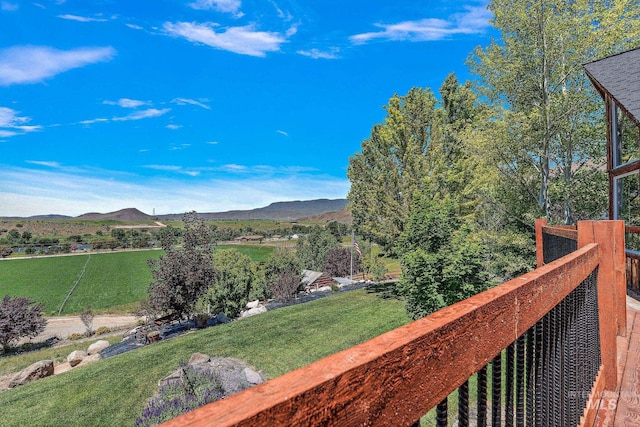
(75, 357)
(254, 311)
(41, 369)
(253, 304)
(97, 347)
(234, 374)
(90, 359)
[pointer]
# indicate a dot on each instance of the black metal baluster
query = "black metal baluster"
(482, 397)
(508, 387)
(441, 413)
(463, 405)
(520, 381)
(555, 381)
(531, 374)
(540, 370)
(496, 390)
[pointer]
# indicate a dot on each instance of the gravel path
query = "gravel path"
(63, 326)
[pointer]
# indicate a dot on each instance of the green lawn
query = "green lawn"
(112, 282)
(258, 253)
(114, 391)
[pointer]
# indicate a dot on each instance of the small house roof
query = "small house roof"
(619, 76)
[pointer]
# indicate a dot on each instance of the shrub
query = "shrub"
(192, 391)
(283, 274)
(103, 330)
(86, 316)
(20, 317)
(337, 263)
(74, 336)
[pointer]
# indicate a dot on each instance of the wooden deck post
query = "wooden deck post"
(609, 235)
(540, 222)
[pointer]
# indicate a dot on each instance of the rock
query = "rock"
(252, 376)
(90, 359)
(197, 358)
(234, 374)
(61, 368)
(222, 318)
(41, 369)
(253, 311)
(325, 289)
(75, 357)
(253, 304)
(97, 347)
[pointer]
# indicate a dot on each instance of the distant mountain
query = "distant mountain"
(278, 210)
(129, 214)
(41, 217)
(343, 216)
(319, 209)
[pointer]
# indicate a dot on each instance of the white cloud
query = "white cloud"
(7, 133)
(26, 191)
(226, 6)
(179, 147)
(173, 126)
(92, 121)
(212, 142)
(281, 132)
(234, 167)
(127, 103)
(242, 40)
(31, 64)
(318, 54)
(474, 20)
(49, 164)
(144, 114)
(134, 26)
(170, 168)
(184, 101)
(81, 18)
(8, 6)
(12, 124)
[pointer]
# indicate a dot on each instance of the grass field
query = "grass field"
(111, 282)
(114, 391)
(258, 253)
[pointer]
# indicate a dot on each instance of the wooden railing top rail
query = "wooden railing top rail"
(395, 378)
(568, 231)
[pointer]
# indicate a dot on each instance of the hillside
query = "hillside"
(343, 216)
(278, 210)
(129, 214)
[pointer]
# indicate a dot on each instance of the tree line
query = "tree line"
(451, 184)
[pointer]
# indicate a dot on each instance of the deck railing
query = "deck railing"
(540, 349)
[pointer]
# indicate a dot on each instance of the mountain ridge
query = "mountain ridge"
(290, 210)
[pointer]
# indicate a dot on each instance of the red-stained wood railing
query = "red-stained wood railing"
(397, 377)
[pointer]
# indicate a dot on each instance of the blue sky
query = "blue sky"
(207, 105)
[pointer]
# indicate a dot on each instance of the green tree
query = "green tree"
(442, 259)
(312, 249)
(182, 275)
(548, 135)
(391, 167)
(5, 251)
(235, 277)
(283, 274)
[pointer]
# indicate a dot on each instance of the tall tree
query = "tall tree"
(391, 167)
(547, 117)
(182, 275)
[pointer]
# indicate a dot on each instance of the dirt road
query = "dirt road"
(63, 326)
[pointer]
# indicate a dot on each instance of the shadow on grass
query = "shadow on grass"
(385, 290)
(28, 346)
